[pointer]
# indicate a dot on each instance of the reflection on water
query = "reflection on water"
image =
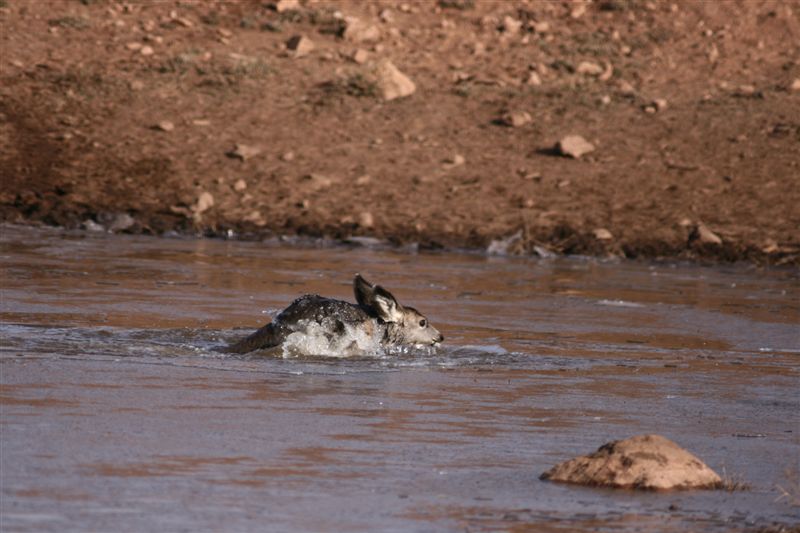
(114, 380)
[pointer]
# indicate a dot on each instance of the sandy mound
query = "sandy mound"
(640, 462)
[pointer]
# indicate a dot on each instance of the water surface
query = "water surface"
(119, 411)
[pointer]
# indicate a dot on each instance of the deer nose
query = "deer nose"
(441, 338)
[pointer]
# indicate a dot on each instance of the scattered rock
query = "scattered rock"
(589, 69)
(366, 220)
(391, 83)
(656, 106)
(360, 56)
(626, 88)
(202, 122)
(513, 244)
(287, 156)
(136, 85)
(795, 86)
(540, 27)
(516, 119)
(164, 125)
(534, 79)
(146, 50)
(91, 225)
(204, 202)
(704, 235)
(286, 5)
(574, 146)
(455, 161)
(511, 26)
(578, 11)
(358, 31)
(648, 462)
(299, 46)
(608, 71)
(244, 152)
(318, 181)
(602, 234)
(240, 185)
(134, 46)
(121, 222)
(363, 180)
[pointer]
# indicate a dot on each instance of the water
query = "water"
(119, 411)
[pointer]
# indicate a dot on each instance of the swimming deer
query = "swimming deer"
(378, 316)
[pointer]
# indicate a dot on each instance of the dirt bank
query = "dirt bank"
(128, 116)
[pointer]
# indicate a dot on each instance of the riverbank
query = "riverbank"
(214, 119)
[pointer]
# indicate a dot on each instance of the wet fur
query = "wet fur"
(376, 308)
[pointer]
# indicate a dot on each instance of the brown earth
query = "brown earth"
(124, 115)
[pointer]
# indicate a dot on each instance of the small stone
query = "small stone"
(244, 152)
(516, 119)
(91, 225)
(146, 50)
(287, 5)
(134, 46)
(578, 11)
(391, 82)
(240, 185)
(318, 181)
(121, 222)
(202, 122)
(358, 31)
(363, 180)
(360, 56)
(511, 26)
(643, 462)
(608, 71)
(164, 125)
(589, 69)
(386, 16)
(204, 202)
(660, 103)
(287, 156)
(626, 88)
(136, 85)
(534, 79)
(746, 90)
(366, 220)
(456, 160)
(541, 27)
(225, 33)
(795, 86)
(605, 99)
(705, 235)
(574, 146)
(602, 234)
(300, 45)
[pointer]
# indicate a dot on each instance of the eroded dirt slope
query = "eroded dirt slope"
(127, 115)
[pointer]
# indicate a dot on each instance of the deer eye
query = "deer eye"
(423, 323)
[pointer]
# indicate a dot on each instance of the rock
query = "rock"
(704, 235)
(366, 220)
(391, 83)
(286, 5)
(204, 202)
(121, 222)
(578, 11)
(540, 27)
(146, 50)
(534, 79)
(363, 180)
(299, 46)
(91, 225)
(516, 119)
(136, 85)
(360, 56)
(318, 181)
(512, 244)
(649, 462)
(134, 46)
(244, 152)
(795, 86)
(456, 160)
(656, 106)
(386, 16)
(608, 71)
(626, 88)
(602, 234)
(574, 146)
(589, 69)
(240, 185)
(287, 156)
(164, 125)
(511, 26)
(358, 31)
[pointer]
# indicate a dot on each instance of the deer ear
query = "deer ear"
(385, 305)
(363, 291)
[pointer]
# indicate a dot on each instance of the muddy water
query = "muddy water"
(120, 413)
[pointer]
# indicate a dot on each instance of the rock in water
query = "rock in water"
(642, 462)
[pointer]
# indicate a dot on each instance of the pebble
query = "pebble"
(534, 79)
(705, 235)
(589, 69)
(164, 125)
(391, 82)
(240, 185)
(360, 56)
(602, 234)
(133, 46)
(574, 146)
(287, 5)
(511, 26)
(795, 86)
(204, 202)
(643, 462)
(121, 222)
(146, 50)
(541, 27)
(366, 220)
(456, 160)
(358, 31)
(516, 119)
(287, 156)
(363, 180)
(626, 88)
(244, 152)
(136, 85)
(318, 181)
(300, 45)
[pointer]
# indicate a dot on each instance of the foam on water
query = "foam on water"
(314, 339)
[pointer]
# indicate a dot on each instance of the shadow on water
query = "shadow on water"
(121, 410)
